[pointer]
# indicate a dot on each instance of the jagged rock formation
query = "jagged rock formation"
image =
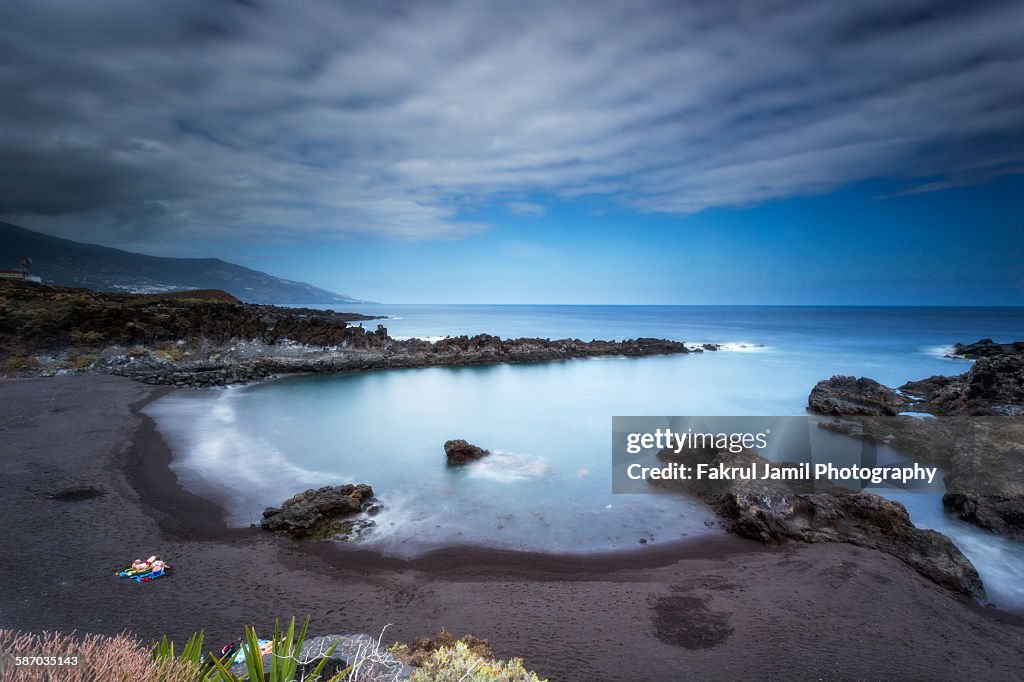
(993, 386)
(777, 512)
(323, 513)
(979, 436)
(460, 452)
(842, 395)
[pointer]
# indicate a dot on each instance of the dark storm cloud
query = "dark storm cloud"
(219, 119)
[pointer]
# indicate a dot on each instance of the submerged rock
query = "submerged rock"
(777, 512)
(842, 395)
(322, 512)
(460, 452)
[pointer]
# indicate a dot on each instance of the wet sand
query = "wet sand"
(722, 609)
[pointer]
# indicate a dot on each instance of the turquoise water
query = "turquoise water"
(548, 486)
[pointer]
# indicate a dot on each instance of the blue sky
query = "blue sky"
(856, 246)
(656, 151)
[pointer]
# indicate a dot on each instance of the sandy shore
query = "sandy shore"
(728, 609)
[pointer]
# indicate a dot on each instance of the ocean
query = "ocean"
(548, 486)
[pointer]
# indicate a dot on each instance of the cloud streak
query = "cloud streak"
(130, 122)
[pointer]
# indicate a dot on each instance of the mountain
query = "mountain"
(74, 264)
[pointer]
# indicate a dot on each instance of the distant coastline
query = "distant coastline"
(209, 338)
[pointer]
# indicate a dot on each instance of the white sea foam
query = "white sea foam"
(212, 451)
(509, 467)
(941, 352)
(428, 339)
(744, 347)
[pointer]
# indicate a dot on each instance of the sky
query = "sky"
(735, 152)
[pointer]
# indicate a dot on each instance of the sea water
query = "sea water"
(547, 487)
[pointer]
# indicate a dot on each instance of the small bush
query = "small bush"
(16, 364)
(80, 338)
(80, 362)
(459, 664)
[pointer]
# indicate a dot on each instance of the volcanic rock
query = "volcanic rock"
(987, 348)
(777, 512)
(460, 452)
(843, 395)
(320, 512)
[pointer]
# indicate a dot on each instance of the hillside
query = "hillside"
(69, 263)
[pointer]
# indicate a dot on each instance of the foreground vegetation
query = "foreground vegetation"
(124, 658)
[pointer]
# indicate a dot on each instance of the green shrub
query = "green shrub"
(80, 338)
(459, 664)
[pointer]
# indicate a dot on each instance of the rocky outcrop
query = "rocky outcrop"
(202, 339)
(843, 395)
(460, 452)
(986, 348)
(322, 513)
(973, 438)
(993, 386)
(777, 512)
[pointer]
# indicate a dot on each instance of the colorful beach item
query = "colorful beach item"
(146, 571)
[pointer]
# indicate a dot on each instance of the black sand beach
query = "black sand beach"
(85, 488)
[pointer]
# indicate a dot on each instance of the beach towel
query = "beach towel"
(265, 647)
